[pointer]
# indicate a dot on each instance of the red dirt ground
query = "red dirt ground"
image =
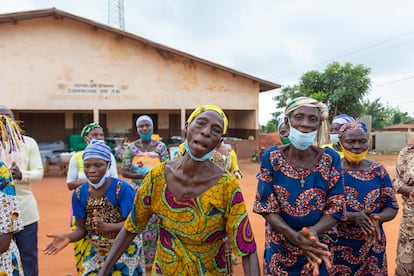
(54, 205)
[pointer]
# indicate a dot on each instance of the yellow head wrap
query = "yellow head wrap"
(215, 108)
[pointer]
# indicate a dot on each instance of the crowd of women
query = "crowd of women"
(324, 204)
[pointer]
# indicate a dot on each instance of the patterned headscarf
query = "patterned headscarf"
(144, 118)
(11, 135)
(203, 108)
(323, 115)
(280, 122)
(88, 128)
(97, 149)
(342, 119)
(351, 126)
(306, 101)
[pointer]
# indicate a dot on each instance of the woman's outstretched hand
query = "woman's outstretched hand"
(59, 242)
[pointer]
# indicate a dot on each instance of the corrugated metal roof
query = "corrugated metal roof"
(58, 14)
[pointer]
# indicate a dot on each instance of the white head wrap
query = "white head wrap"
(144, 118)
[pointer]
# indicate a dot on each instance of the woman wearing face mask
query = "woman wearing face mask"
(76, 177)
(337, 122)
(370, 201)
(198, 204)
(139, 157)
(283, 131)
(300, 194)
(100, 206)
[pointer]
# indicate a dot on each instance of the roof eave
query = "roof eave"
(14, 18)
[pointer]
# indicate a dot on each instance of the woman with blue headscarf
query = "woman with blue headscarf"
(336, 124)
(76, 177)
(100, 207)
(359, 245)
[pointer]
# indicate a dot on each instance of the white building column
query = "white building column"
(96, 115)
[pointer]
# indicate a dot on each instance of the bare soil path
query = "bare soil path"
(54, 205)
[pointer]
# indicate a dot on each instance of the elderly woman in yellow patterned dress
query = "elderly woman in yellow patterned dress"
(198, 204)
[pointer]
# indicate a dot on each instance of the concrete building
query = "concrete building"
(60, 72)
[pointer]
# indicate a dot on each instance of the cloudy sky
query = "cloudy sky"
(276, 40)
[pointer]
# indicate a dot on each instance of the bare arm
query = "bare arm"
(325, 223)
(405, 190)
(132, 175)
(61, 240)
(74, 184)
(5, 240)
(251, 265)
(72, 179)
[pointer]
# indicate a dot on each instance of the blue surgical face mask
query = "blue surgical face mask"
(204, 158)
(334, 138)
(301, 140)
(146, 136)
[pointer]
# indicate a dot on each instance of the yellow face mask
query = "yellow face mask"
(354, 158)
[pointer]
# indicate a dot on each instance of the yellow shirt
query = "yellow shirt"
(341, 154)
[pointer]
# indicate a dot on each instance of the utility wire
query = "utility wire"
(352, 52)
(393, 81)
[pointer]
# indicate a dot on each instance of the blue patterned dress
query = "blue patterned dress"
(370, 190)
(300, 197)
(10, 222)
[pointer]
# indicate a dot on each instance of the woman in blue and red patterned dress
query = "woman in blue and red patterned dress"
(370, 201)
(300, 194)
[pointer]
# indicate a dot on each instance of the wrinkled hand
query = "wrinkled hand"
(97, 221)
(316, 257)
(363, 221)
(59, 242)
(375, 219)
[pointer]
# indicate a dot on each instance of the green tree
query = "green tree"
(383, 116)
(342, 88)
(271, 126)
(377, 112)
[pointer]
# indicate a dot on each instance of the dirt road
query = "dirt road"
(54, 205)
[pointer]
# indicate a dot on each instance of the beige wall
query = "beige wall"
(65, 65)
(57, 63)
